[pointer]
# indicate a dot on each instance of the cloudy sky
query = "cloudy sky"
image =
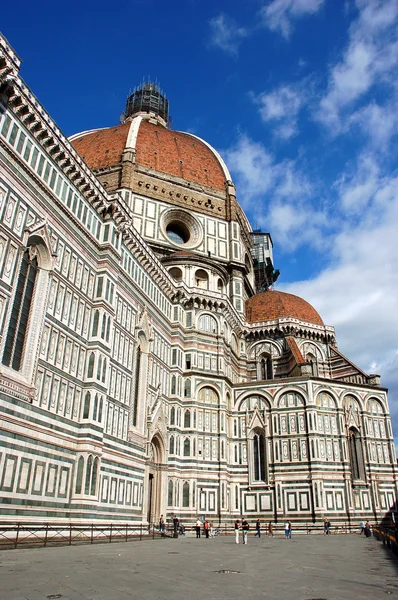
(299, 96)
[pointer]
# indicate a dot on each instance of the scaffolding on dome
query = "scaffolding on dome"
(264, 273)
(148, 98)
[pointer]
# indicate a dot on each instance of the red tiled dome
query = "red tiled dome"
(104, 147)
(157, 147)
(272, 305)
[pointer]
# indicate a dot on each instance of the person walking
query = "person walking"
(326, 526)
(245, 529)
(237, 527)
(270, 529)
(368, 529)
(197, 527)
(362, 526)
(211, 529)
(258, 528)
(161, 524)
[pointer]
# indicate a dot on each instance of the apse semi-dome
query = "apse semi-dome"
(272, 305)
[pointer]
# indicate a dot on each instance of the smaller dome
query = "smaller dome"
(272, 305)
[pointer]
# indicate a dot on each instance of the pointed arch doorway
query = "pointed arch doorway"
(157, 477)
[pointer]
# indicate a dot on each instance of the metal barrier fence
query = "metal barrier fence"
(301, 529)
(33, 535)
(388, 536)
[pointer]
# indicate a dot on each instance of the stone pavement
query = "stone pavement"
(307, 567)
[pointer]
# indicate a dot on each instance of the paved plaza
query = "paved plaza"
(307, 567)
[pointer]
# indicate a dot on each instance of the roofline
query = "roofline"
(76, 136)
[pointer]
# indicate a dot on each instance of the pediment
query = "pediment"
(256, 421)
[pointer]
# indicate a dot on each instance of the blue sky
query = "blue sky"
(300, 98)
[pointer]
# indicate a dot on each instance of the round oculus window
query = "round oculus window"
(178, 233)
(181, 228)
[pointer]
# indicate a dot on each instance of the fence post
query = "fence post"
(45, 538)
(17, 536)
(92, 533)
(110, 535)
(70, 534)
(153, 531)
(127, 535)
(141, 532)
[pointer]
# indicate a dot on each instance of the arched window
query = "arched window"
(103, 328)
(220, 285)
(312, 361)
(259, 457)
(171, 445)
(187, 388)
(136, 385)
(185, 495)
(108, 329)
(237, 497)
(356, 454)
(172, 415)
(208, 396)
(201, 279)
(104, 371)
(95, 323)
(187, 418)
(94, 477)
(100, 411)
(79, 476)
(187, 447)
(91, 360)
(86, 411)
(208, 324)
(173, 385)
(95, 407)
(15, 339)
(89, 468)
(99, 367)
(170, 493)
(176, 273)
(266, 370)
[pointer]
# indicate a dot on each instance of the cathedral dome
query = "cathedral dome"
(272, 305)
(155, 147)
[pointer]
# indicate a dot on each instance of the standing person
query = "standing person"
(161, 524)
(207, 528)
(245, 529)
(211, 529)
(368, 529)
(258, 528)
(270, 529)
(237, 527)
(362, 526)
(288, 530)
(175, 526)
(197, 527)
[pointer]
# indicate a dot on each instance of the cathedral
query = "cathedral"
(147, 364)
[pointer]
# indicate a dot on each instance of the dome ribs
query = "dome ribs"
(273, 305)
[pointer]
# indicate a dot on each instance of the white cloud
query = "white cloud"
(379, 123)
(276, 194)
(370, 58)
(226, 34)
(281, 106)
(357, 292)
(279, 14)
